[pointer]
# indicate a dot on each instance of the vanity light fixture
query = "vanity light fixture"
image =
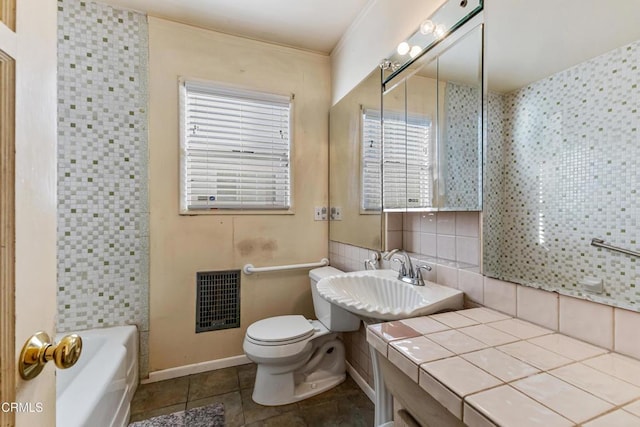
(403, 48)
(440, 30)
(427, 27)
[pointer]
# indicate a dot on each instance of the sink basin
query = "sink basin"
(378, 294)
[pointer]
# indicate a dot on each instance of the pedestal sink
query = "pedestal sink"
(378, 295)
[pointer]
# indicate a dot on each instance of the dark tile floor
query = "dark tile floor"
(345, 405)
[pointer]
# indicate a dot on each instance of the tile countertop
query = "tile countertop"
(491, 369)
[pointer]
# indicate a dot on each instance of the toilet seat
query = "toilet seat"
(280, 330)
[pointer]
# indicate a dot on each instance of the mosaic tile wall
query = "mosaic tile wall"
(493, 184)
(566, 171)
(461, 146)
(102, 168)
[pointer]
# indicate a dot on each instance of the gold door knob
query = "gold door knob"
(39, 349)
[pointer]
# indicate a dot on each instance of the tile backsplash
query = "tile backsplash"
(102, 167)
(451, 236)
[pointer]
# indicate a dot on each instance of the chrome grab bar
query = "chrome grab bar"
(601, 244)
(250, 268)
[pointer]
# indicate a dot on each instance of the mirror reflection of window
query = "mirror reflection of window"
(407, 163)
(371, 197)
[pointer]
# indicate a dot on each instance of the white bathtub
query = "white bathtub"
(97, 391)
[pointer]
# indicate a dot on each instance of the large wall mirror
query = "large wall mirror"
(354, 147)
(563, 150)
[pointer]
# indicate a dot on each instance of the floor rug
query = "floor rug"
(204, 416)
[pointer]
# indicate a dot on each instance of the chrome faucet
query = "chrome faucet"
(372, 263)
(407, 273)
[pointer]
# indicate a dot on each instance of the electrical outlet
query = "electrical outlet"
(336, 213)
(320, 213)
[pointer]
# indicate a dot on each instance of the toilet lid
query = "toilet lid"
(280, 328)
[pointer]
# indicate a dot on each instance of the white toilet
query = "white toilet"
(299, 358)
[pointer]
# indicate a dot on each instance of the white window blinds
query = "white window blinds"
(371, 161)
(235, 148)
(406, 159)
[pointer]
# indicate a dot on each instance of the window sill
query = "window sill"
(236, 212)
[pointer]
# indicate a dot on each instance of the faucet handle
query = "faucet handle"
(403, 267)
(370, 262)
(389, 254)
(425, 267)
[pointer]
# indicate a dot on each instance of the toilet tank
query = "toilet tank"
(333, 317)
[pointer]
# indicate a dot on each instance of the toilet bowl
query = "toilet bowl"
(296, 357)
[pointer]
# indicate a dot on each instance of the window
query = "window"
(406, 165)
(236, 147)
(371, 166)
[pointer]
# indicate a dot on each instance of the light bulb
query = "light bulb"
(440, 30)
(427, 27)
(403, 48)
(415, 51)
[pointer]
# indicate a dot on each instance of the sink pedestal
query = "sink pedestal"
(383, 399)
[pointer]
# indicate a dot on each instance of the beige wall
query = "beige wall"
(183, 245)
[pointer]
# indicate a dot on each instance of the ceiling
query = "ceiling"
(314, 25)
(529, 40)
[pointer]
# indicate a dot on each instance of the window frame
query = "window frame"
(183, 209)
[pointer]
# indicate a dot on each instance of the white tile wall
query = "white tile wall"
(428, 222)
(446, 223)
(467, 250)
(428, 244)
(446, 246)
(500, 295)
(347, 257)
(452, 236)
(626, 327)
(467, 224)
(447, 276)
(472, 284)
(587, 321)
(537, 306)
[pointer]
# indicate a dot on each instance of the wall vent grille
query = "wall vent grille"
(217, 300)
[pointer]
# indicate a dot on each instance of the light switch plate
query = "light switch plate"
(336, 213)
(320, 213)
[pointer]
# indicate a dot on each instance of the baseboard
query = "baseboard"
(196, 368)
(362, 383)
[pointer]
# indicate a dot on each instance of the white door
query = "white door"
(28, 77)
